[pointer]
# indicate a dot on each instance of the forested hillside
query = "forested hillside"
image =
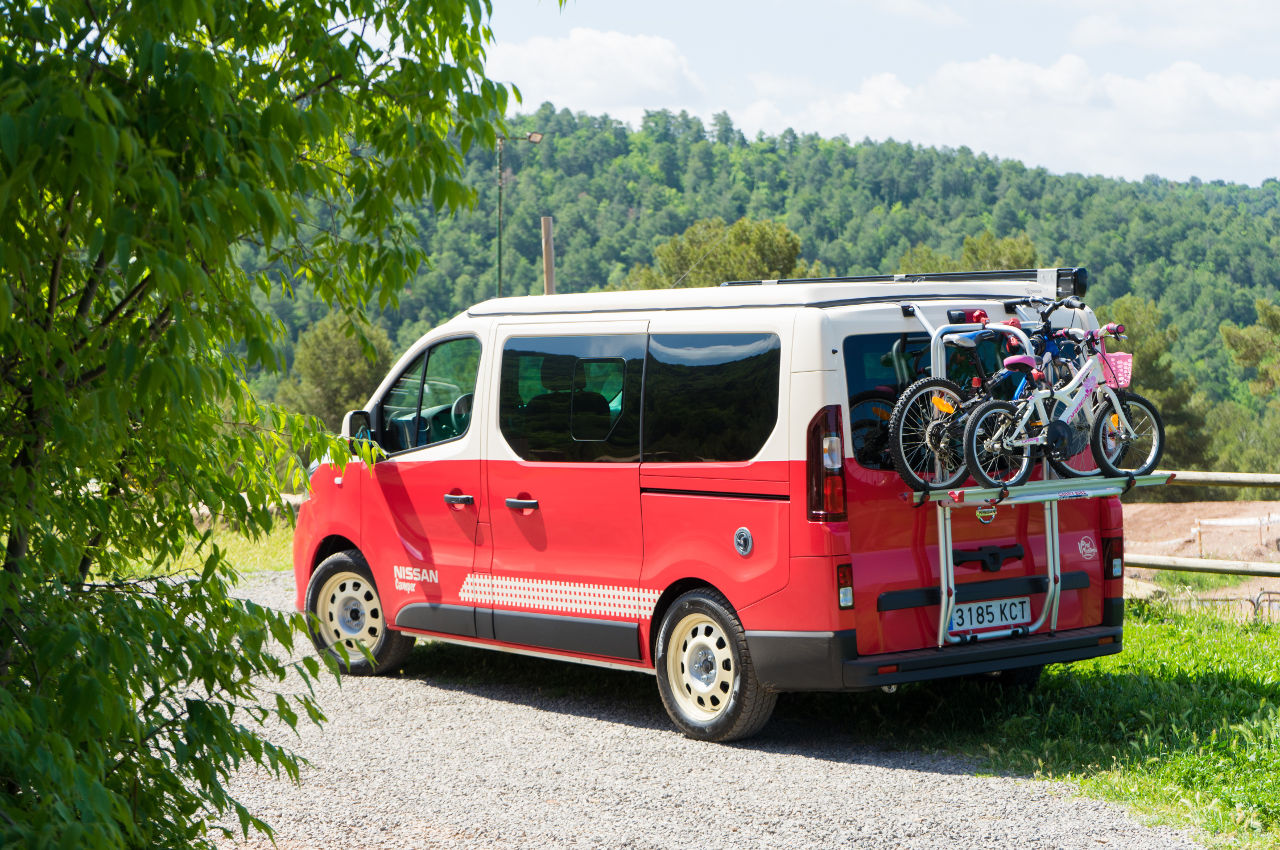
(1201, 252)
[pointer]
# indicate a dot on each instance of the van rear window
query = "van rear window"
(878, 367)
(710, 397)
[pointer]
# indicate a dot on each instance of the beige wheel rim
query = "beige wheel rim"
(350, 612)
(700, 667)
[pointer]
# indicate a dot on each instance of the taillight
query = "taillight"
(1112, 557)
(844, 585)
(826, 466)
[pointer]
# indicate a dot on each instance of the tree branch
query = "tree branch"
(55, 273)
(316, 89)
(91, 288)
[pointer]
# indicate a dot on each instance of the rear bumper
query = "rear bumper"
(828, 661)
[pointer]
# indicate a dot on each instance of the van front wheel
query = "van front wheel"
(346, 611)
(705, 676)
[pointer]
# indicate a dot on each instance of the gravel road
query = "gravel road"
(470, 748)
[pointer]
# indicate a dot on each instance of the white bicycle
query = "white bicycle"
(1126, 433)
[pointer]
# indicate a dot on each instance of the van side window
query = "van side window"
(710, 397)
(572, 398)
(420, 410)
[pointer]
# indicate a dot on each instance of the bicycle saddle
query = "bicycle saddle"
(1021, 362)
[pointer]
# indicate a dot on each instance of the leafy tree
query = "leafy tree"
(710, 252)
(1151, 340)
(1257, 348)
(140, 144)
(1246, 431)
(331, 373)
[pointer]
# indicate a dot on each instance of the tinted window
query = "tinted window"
(710, 397)
(878, 367)
(418, 412)
(572, 398)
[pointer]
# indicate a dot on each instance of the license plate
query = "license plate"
(993, 614)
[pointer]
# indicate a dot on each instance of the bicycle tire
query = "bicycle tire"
(991, 466)
(1137, 456)
(925, 438)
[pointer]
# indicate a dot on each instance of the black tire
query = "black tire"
(1139, 456)
(1078, 460)
(926, 439)
(343, 601)
(719, 699)
(993, 467)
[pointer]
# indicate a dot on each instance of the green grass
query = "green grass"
(1184, 724)
(272, 551)
(1180, 582)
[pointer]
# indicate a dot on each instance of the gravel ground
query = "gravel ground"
(443, 757)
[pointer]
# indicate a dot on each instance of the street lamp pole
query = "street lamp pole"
(533, 138)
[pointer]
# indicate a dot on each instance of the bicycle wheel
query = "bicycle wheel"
(1122, 454)
(989, 462)
(1070, 450)
(925, 436)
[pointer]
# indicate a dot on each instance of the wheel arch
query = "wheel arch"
(331, 545)
(670, 595)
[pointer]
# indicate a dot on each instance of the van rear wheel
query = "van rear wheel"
(705, 676)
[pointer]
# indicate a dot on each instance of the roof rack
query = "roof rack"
(1069, 281)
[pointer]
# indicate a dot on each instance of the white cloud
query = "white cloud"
(1065, 116)
(597, 72)
(1178, 25)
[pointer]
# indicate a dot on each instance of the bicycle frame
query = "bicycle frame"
(1079, 390)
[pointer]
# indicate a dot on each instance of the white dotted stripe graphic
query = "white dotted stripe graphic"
(595, 599)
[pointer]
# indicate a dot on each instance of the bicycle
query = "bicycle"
(1126, 431)
(926, 428)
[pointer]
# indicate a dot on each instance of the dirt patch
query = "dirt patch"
(1171, 529)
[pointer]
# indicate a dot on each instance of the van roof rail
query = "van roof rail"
(1071, 281)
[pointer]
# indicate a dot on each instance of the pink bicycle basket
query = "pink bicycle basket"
(1119, 369)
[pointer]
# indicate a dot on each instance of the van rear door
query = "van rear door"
(1000, 551)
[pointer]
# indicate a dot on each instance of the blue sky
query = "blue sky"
(1119, 88)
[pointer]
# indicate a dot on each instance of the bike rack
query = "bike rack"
(937, 341)
(1048, 492)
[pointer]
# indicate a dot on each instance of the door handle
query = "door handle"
(458, 499)
(522, 504)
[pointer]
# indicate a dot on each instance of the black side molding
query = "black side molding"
(447, 619)
(610, 638)
(1001, 588)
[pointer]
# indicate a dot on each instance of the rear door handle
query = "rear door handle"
(458, 499)
(522, 504)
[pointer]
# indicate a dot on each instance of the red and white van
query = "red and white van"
(675, 482)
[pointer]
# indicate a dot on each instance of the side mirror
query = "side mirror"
(357, 425)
